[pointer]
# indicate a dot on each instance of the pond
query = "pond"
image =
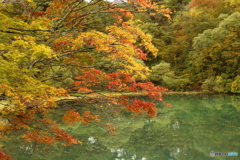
(190, 129)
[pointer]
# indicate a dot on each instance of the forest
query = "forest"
(100, 53)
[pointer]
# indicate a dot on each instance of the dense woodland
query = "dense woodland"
(199, 47)
(53, 49)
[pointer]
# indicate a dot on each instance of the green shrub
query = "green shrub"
(208, 84)
(235, 86)
(163, 75)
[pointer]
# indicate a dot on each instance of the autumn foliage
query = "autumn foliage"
(4, 156)
(46, 44)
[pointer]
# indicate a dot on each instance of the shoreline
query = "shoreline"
(77, 95)
(188, 92)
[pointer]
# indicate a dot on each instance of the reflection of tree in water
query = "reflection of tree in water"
(190, 129)
(96, 141)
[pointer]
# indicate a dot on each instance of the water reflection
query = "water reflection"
(189, 130)
(91, 140)
(121, 153)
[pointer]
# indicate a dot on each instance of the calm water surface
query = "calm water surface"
(194, 126)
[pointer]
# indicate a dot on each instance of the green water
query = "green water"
(194, 126)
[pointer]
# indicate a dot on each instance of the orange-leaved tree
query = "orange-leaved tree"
(48, 52)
